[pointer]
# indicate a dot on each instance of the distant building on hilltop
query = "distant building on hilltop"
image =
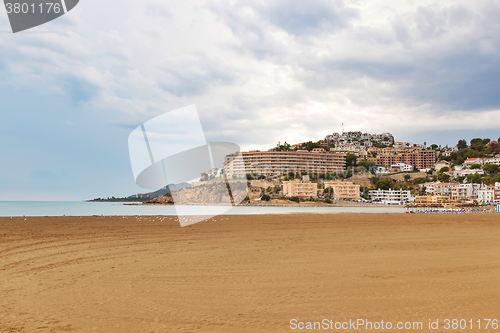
(358, 135)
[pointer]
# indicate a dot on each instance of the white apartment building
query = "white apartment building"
(486, 195)
(391, 196)
(495, 160)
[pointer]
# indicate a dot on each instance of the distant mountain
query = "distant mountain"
(165, 190)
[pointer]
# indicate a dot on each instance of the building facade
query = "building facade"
(438, 188)
(275, 163)
(419, 158)
(390, 196)
(300, 188)
(465, 192)
(486, 195)
(343, 189)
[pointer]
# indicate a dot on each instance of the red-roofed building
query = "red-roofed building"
(471, 161)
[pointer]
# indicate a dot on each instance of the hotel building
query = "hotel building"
(275, 163)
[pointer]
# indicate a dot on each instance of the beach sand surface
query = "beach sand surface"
(247, 273)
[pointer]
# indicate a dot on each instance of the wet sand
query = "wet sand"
(246, 273)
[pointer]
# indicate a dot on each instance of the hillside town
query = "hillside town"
(371, 168)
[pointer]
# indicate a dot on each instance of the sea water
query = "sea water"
(82, 208)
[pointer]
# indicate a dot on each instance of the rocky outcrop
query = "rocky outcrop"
(161, 200)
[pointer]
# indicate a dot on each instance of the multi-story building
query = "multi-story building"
(300, 188)
(343, 189)
(275, 163)
(486, 195)
(464, 192)
(366, 137)
(419, 158)
(323, 144)
(390, 196)
(497, 192)
(438, 188)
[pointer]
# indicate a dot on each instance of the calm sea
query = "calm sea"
(75, 208)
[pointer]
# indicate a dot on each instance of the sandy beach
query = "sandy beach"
(247, 273)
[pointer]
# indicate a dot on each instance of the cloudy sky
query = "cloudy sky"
(259, 72)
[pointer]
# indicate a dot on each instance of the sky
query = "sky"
(259, 72)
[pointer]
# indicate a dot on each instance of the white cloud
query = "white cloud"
(262, 72)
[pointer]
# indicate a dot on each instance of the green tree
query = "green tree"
(434, 146)
(475, 166)
(282, 147)
(401, 186)
(350, 160)
(407, 177)
(443, 177)
(462, 144)
(490, 168)
(474, 178)
(366, 164)
(265, 197)
(477, 144)
(328, 200)
(419, 180)
(384, 184)
(311, 145)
